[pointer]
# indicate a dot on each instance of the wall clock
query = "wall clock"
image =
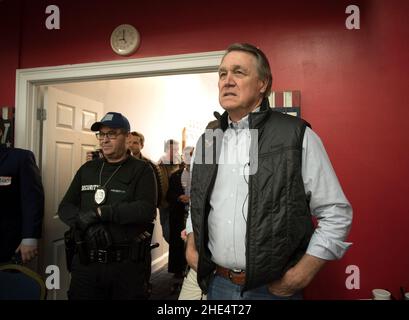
(125, 39)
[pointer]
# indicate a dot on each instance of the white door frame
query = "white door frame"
(27, 127)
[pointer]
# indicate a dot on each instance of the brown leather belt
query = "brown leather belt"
(237, 277)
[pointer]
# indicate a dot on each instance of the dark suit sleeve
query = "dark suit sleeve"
(158, 178)
(69, 207)
(175, 189)
(32, 196)
(142, 206)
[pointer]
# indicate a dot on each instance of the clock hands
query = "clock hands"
(123, 35)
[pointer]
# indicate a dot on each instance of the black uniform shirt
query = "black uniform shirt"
(130, 198)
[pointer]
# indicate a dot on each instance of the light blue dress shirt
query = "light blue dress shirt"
(229, 200)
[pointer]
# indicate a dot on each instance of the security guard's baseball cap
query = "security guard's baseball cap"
(113, 120)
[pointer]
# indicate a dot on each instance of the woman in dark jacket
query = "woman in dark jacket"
(177, 206)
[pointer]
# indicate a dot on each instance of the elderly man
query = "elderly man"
(109, 206)
(251, 214)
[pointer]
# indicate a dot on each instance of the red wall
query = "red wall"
(353, 85)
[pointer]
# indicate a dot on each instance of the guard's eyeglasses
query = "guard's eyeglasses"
(111, 135)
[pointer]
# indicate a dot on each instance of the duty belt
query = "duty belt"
(109, 255)
(236, 276)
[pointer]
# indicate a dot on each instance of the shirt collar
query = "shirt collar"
(243, 123)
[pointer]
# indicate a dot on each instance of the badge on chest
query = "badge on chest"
(100, 195)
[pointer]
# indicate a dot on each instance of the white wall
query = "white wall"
(160, 107)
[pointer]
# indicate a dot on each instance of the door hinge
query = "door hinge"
(41, 114)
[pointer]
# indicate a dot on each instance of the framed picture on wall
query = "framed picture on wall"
(288, 102)
(294, 111)
(7, 116)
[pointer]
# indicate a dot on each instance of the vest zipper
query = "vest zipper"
(202, 228)
(248, 213)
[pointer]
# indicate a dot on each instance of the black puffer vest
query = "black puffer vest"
(279, 225)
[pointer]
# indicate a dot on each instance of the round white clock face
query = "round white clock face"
(125, 39)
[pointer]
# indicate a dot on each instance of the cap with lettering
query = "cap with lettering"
(113, 120)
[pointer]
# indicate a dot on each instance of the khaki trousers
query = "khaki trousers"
(190, 288)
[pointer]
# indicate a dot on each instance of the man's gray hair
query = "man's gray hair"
(263, 66)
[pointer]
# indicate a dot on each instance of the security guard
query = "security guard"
(109, 206)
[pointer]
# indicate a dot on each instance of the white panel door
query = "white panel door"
(67, 138)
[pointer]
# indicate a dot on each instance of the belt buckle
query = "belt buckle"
(102, 256)
(234, 271)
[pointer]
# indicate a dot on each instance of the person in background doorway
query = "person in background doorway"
(168, 163)
(190, 288)
(136, 142)
(22, 203)
(178, 197)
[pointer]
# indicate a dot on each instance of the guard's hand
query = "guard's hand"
(97, 237)
(86, 219)
(27, 252)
